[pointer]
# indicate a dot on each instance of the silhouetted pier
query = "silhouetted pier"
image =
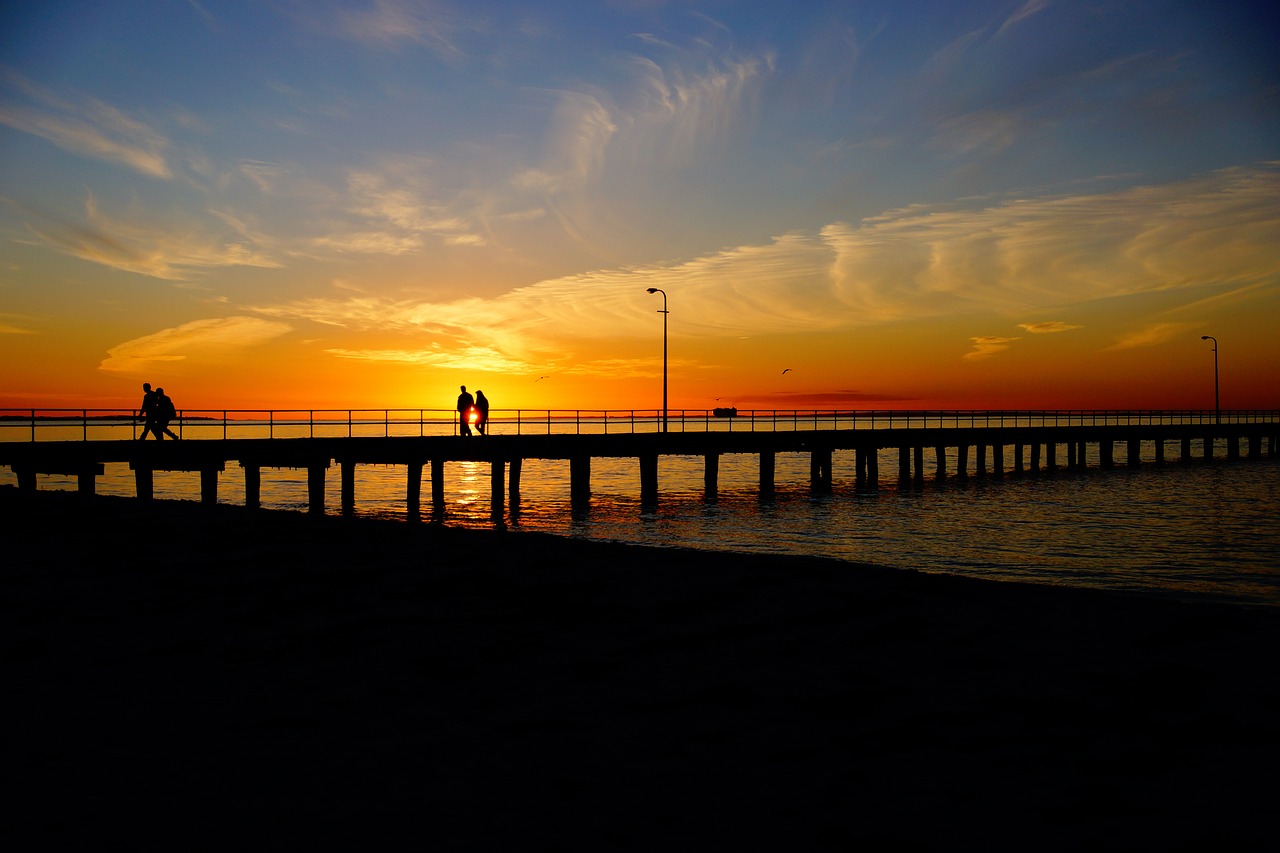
(925, 445)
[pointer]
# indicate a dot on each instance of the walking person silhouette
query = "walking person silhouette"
(465, 403)
(147, 411)
(164, 412)
(482, 411)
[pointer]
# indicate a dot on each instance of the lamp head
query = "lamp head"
(1204, 337)
(651, 290)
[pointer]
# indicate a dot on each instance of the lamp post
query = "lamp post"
(1217, 410)
(664, 313)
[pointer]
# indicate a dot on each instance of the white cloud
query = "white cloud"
(1048, 327)
(1150, 335)
(170, 250)
(87, 126)
(207, 339)
(1018, 256)
(985, 346)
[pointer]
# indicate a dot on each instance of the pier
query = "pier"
(924, 445)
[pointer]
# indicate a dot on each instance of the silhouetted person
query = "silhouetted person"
(147, 411)
(165, 412)
(482, 411)
(465, 404)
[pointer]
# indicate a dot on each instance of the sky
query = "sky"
(1032, 204)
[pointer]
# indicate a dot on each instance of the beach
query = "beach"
(191, 677)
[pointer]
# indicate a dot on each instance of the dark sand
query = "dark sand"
(190, 678)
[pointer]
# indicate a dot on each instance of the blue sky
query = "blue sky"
(392, 195)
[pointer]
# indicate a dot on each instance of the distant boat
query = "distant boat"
(725, 413)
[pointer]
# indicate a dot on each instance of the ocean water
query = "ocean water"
(1205, 531)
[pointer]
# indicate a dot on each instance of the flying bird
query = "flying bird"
(785, 372)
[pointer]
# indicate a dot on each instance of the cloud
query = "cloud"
(205, 339)
(986, 346)
(1048, 327)
(387, 24)
(1151, 335)
(1015, 256)
(1028, 9)
(85, 126)
(1035, 253)
(394, 200)
(472, 358)
(172, 251)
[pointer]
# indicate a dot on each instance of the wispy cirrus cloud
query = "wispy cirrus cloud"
(1015, 256)
(210, 339)
(985, 346)
(170, 251)
(1150, 335)
(85, 126)
(1049, 327)
(387, 24)
(398, 207)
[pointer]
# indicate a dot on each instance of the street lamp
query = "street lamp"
(664, 313)
(1217, 411)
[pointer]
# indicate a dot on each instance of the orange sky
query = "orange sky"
(372, 205)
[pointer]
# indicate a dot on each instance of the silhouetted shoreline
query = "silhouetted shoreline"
(201, 675)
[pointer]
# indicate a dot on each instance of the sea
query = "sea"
(1203, 531)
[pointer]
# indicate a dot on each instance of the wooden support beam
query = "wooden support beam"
(143, 482)
(767, 464)
(315, 487)
(513, 489)
(209, 485)
(437, 486)
(348, 487)
(497, 488)
(649, 479)
(820, 469)
(413, 489)
(579, 480)
(252, 486)
(711, 476)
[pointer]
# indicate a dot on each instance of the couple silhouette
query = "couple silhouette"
(472, 410)
(156, 411)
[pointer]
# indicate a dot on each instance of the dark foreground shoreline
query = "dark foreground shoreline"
(184, 677)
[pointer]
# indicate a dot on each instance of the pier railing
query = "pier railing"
(120, 424)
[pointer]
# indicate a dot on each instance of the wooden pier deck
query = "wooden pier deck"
(976, 445)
